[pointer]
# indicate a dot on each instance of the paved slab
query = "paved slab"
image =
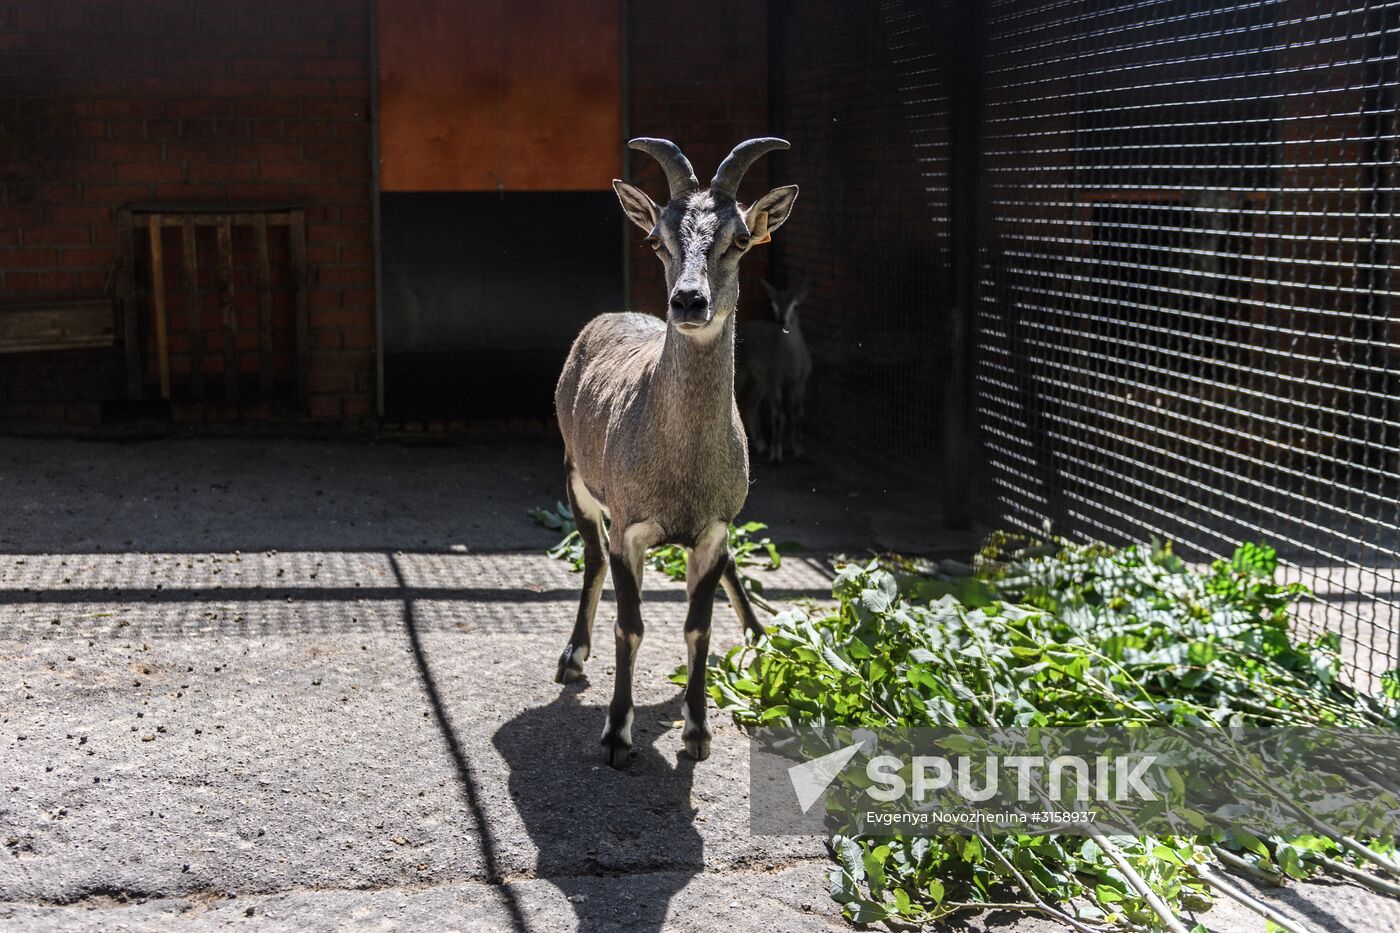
(300, 685)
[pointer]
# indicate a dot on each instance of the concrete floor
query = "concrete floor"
(308, 685)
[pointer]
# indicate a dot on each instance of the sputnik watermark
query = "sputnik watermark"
(811, 778)
(1044, 780)
(1106, 779)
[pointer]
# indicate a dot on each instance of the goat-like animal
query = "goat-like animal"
(653, 441)
(775, 366)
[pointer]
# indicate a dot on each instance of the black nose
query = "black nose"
(689, 301)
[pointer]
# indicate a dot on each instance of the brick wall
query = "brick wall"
(105, 103)
(698, 74)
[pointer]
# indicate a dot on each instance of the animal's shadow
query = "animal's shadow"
(587, 820)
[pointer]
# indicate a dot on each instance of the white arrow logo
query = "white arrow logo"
(811, 778)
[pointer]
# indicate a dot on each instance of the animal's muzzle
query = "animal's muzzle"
(690, 307)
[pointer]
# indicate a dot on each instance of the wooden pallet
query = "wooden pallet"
(149, 221)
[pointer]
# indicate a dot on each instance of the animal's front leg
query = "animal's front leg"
(776, 429)
(793, 444)
(707, 564)
(626, 560)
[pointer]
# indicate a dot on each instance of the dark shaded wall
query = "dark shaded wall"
(104, 104)
(861, 92)
(484, 293)
(697, 74)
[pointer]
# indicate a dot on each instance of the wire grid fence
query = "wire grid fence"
(1185, 324)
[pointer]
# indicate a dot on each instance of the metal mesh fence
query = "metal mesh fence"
(1185, 324)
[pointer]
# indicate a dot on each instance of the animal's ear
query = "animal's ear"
(768, 213)
(768, 287)
(637, 204)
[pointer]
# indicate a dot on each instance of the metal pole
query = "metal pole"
(967, 36)
(624, 37)
(374, 208)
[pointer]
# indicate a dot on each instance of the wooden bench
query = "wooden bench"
(57, 325)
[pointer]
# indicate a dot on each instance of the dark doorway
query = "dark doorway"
(484, 292)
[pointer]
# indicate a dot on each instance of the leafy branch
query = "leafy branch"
(1058, 634)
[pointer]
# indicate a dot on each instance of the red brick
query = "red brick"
(265, 150)
(87, 258)
(126, 129)
(287, 171)
(265, 67)
(188, 192)
(127, 151)
(221, 171)
(57, 236)
(344, 275)
(308, 129)
(338, 108)
(21, 282)
(333, 68)
(265, 191)
(114, 194)
(124, 107)
(299, 87)
(143, 20)
(269, 109)
(27, 258)
(360, 338)
(326, 339)
(150, 171)
(337, 317)
(352, 88)
(68, 283)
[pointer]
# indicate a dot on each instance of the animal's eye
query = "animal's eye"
(653, 241)
(742, 241)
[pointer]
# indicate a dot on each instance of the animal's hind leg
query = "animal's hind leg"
(588, 515)
(751, 409)
(739, 599)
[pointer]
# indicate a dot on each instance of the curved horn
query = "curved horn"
(731, 170)
(679, 175)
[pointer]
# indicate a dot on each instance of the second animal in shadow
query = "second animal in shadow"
(774, 366)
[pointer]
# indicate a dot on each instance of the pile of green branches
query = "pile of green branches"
(1057, 634)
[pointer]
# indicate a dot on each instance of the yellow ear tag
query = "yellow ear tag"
(762, 236)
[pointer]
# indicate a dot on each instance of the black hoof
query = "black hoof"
(570, 664)
(697, 747)
(616, 754)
